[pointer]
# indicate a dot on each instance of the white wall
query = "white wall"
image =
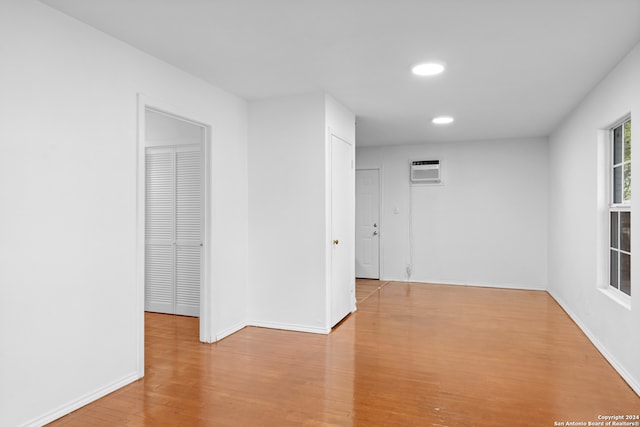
(287, 215)
(68, 129)
(486, 225)
(340, 120)
(576, 222)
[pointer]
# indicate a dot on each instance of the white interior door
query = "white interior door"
(368, 223)
(342, 229)
(173, 229)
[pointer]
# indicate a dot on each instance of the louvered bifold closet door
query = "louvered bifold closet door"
(160, 230)
(188, 229)
(173, 229)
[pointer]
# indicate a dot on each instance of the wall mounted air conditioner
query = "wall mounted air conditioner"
(425, 171)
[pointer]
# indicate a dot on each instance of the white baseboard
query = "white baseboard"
(82, 401)
(633, 383)
(475, 284)
(271, 325)
(232, 330)
(517, 286)
(290, 327)
(384, 278)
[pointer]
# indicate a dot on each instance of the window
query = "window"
(620, 208)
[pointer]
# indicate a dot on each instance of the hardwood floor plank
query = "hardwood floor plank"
(412, 355)
(367, 287)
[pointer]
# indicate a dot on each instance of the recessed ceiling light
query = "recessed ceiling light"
(428, 69)
(442, 120)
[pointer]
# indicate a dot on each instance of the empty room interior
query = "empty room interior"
(338, 212)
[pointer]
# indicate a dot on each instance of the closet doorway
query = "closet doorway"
(174, 214)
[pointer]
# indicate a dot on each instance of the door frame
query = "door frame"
(379, 169)
(185, 114)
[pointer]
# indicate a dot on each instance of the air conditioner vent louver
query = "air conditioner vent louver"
(425, 171)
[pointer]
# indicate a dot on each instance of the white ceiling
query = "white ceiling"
(515, 68)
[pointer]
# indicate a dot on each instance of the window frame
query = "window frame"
(618, 208)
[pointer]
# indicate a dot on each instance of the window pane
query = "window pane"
(617, 184)
(625, 231)
(627, 141)
(614, 230)
(627, 182)
(617, 145)
(613, 269)
(625, 273)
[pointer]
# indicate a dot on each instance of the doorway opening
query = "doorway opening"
(174, 221)
(173, 218)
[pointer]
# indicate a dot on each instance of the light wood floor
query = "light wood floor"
(366, 288)
(412, 355)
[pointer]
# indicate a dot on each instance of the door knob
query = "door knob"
(375, 224)
(375, 233)
(335, 242)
